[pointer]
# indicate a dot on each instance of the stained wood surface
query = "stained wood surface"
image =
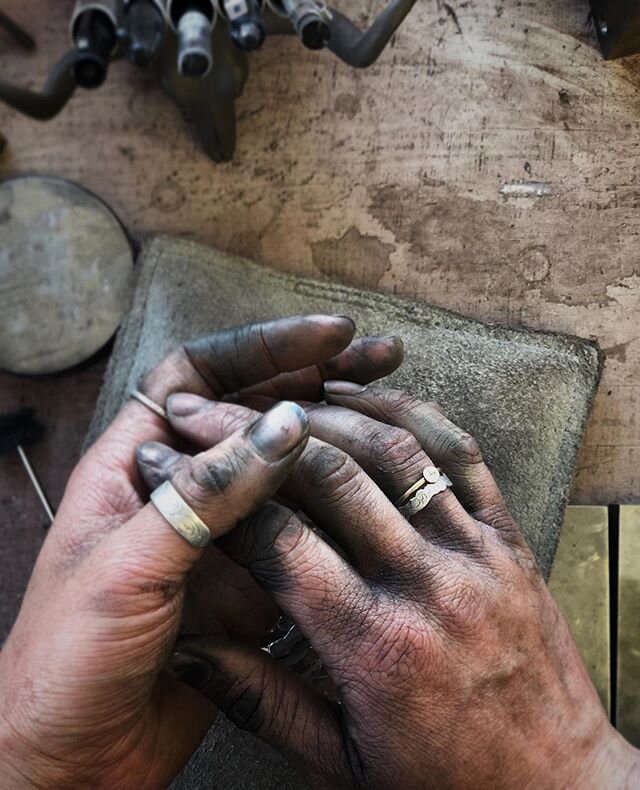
(580, 584)
(391, 179)
(394, 178)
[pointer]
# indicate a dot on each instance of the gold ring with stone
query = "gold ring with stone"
(422, 492)
(186, 522)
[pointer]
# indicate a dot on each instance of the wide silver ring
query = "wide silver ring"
(156, 408)
(432, 482)
(180, 516)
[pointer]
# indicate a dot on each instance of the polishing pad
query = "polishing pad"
(524, 395)
(65, 274)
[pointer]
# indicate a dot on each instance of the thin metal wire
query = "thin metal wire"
(36, 484)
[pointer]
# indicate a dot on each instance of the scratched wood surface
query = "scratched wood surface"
(392, 178)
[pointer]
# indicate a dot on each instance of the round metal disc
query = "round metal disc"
(431, 474)
(66, 268)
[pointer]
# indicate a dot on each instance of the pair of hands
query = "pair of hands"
(453, 665)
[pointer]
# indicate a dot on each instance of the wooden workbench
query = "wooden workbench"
(393, 178)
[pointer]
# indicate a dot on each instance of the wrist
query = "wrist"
(610, 764)
(617, 765)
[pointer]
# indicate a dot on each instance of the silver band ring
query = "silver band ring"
(421, 493)
(182, 518)
(150, 404)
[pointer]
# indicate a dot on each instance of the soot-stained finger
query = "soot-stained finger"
(327, 484)
(395, 460)
(449, 446)
(267, 699)
(222, 485)
(367, 359)
(233, 359)
(308, 579)
(221, 593)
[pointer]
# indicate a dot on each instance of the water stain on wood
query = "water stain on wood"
(354, 259)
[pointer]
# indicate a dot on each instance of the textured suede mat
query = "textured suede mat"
(524, 395)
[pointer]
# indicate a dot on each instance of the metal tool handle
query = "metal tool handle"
(353, 46)
(19, 34)
(360, 49)
(57, 91)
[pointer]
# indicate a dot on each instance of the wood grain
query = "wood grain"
(580, 585)
(628, 696)
(391, 178)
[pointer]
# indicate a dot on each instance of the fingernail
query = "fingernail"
(343, 388)
(156, 455)
(346, 318)
(195, 672)
(280, 431)
(184, 404)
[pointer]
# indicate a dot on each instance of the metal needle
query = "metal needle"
(36, 483)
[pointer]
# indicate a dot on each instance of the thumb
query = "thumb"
(222, 486)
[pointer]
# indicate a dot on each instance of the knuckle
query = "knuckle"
(508, 534)
(461, 448)
(399, 451)
(395, 648)
(243, 707)
(401, 649)
(129, 589)
(461, 606)
(330, 472)
(276, 531)
(496, 515)
(274, 541)
(399, 402)
(523, 555)
(234, 420)
(239, 691)
(351, 622)
(207, 477)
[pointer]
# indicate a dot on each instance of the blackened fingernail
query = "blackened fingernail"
(184, 404)
(156, 455)
(195, 672)
(343, 388)
(280, 431)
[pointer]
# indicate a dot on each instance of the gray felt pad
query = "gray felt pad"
(524, 395)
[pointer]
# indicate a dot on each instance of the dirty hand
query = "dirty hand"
(83, 701)
(453, 665)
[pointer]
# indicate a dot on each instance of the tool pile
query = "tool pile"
(199, 49)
